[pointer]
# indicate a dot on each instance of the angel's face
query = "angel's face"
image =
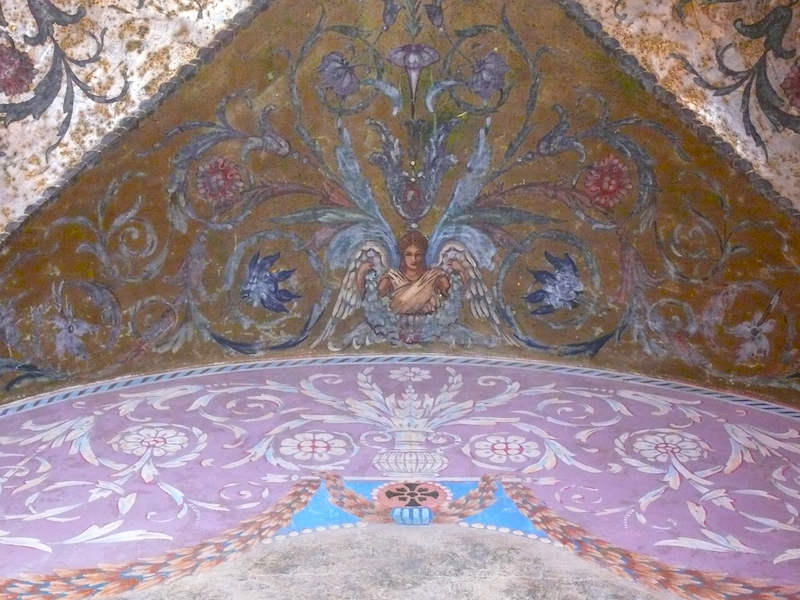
(412, 257)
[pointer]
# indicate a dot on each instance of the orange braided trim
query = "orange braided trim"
(688, 583)
(470, 503)
(354, 503)
(110, 580)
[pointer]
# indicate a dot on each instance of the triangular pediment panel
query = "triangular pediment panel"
(382, 177)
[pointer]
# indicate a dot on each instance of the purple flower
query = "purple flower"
(435, 13)
(488, 75)
(756, 343)
(413, 58)
(70, 331)
(16, 71)
(337, 75)
(390, 10)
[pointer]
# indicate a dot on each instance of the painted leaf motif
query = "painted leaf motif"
(324, 215)
(126, 503)
(471, 183)
(209, 506)
(770, 522)
(27, 542)
(30, 483)
(761, 493)
(791, 554)
(94, 532)
(693, 543)
(651, 497)
(503, 216)
(174, 492)
(45, 514)
(729, 541)
(135, 535)
(724, 502)
(546, 481)
(149, 472)
(698, 512)
(713, 494)
(673, 478)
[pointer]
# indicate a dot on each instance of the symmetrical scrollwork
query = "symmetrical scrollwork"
(678, 473)
(402, 182)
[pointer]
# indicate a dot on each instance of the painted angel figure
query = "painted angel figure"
(410, 302)
(403, 299)
(414, 289)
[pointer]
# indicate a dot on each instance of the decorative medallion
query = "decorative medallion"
(411, 494)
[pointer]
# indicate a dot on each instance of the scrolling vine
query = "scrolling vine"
(18, 74)
(462, 213)
(772, 82)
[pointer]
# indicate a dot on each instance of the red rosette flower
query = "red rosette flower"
(607, 182)
(16, 71)
(791, 86)
(219, 181)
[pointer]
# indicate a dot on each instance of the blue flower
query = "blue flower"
(261, 285)
(70, 332)
(560, 289)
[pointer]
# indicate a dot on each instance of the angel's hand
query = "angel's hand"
(362, 270)
(455, 265)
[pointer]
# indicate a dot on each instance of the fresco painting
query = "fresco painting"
(408, 263)
(124, 485)
(412, 176)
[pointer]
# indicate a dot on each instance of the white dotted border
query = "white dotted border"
(298, 532)
(361, 524)
(516, 532)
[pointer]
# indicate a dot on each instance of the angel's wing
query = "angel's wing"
(371, 256)
(454, 256)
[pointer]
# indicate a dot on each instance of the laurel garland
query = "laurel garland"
(110, 580)
(687, 583)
